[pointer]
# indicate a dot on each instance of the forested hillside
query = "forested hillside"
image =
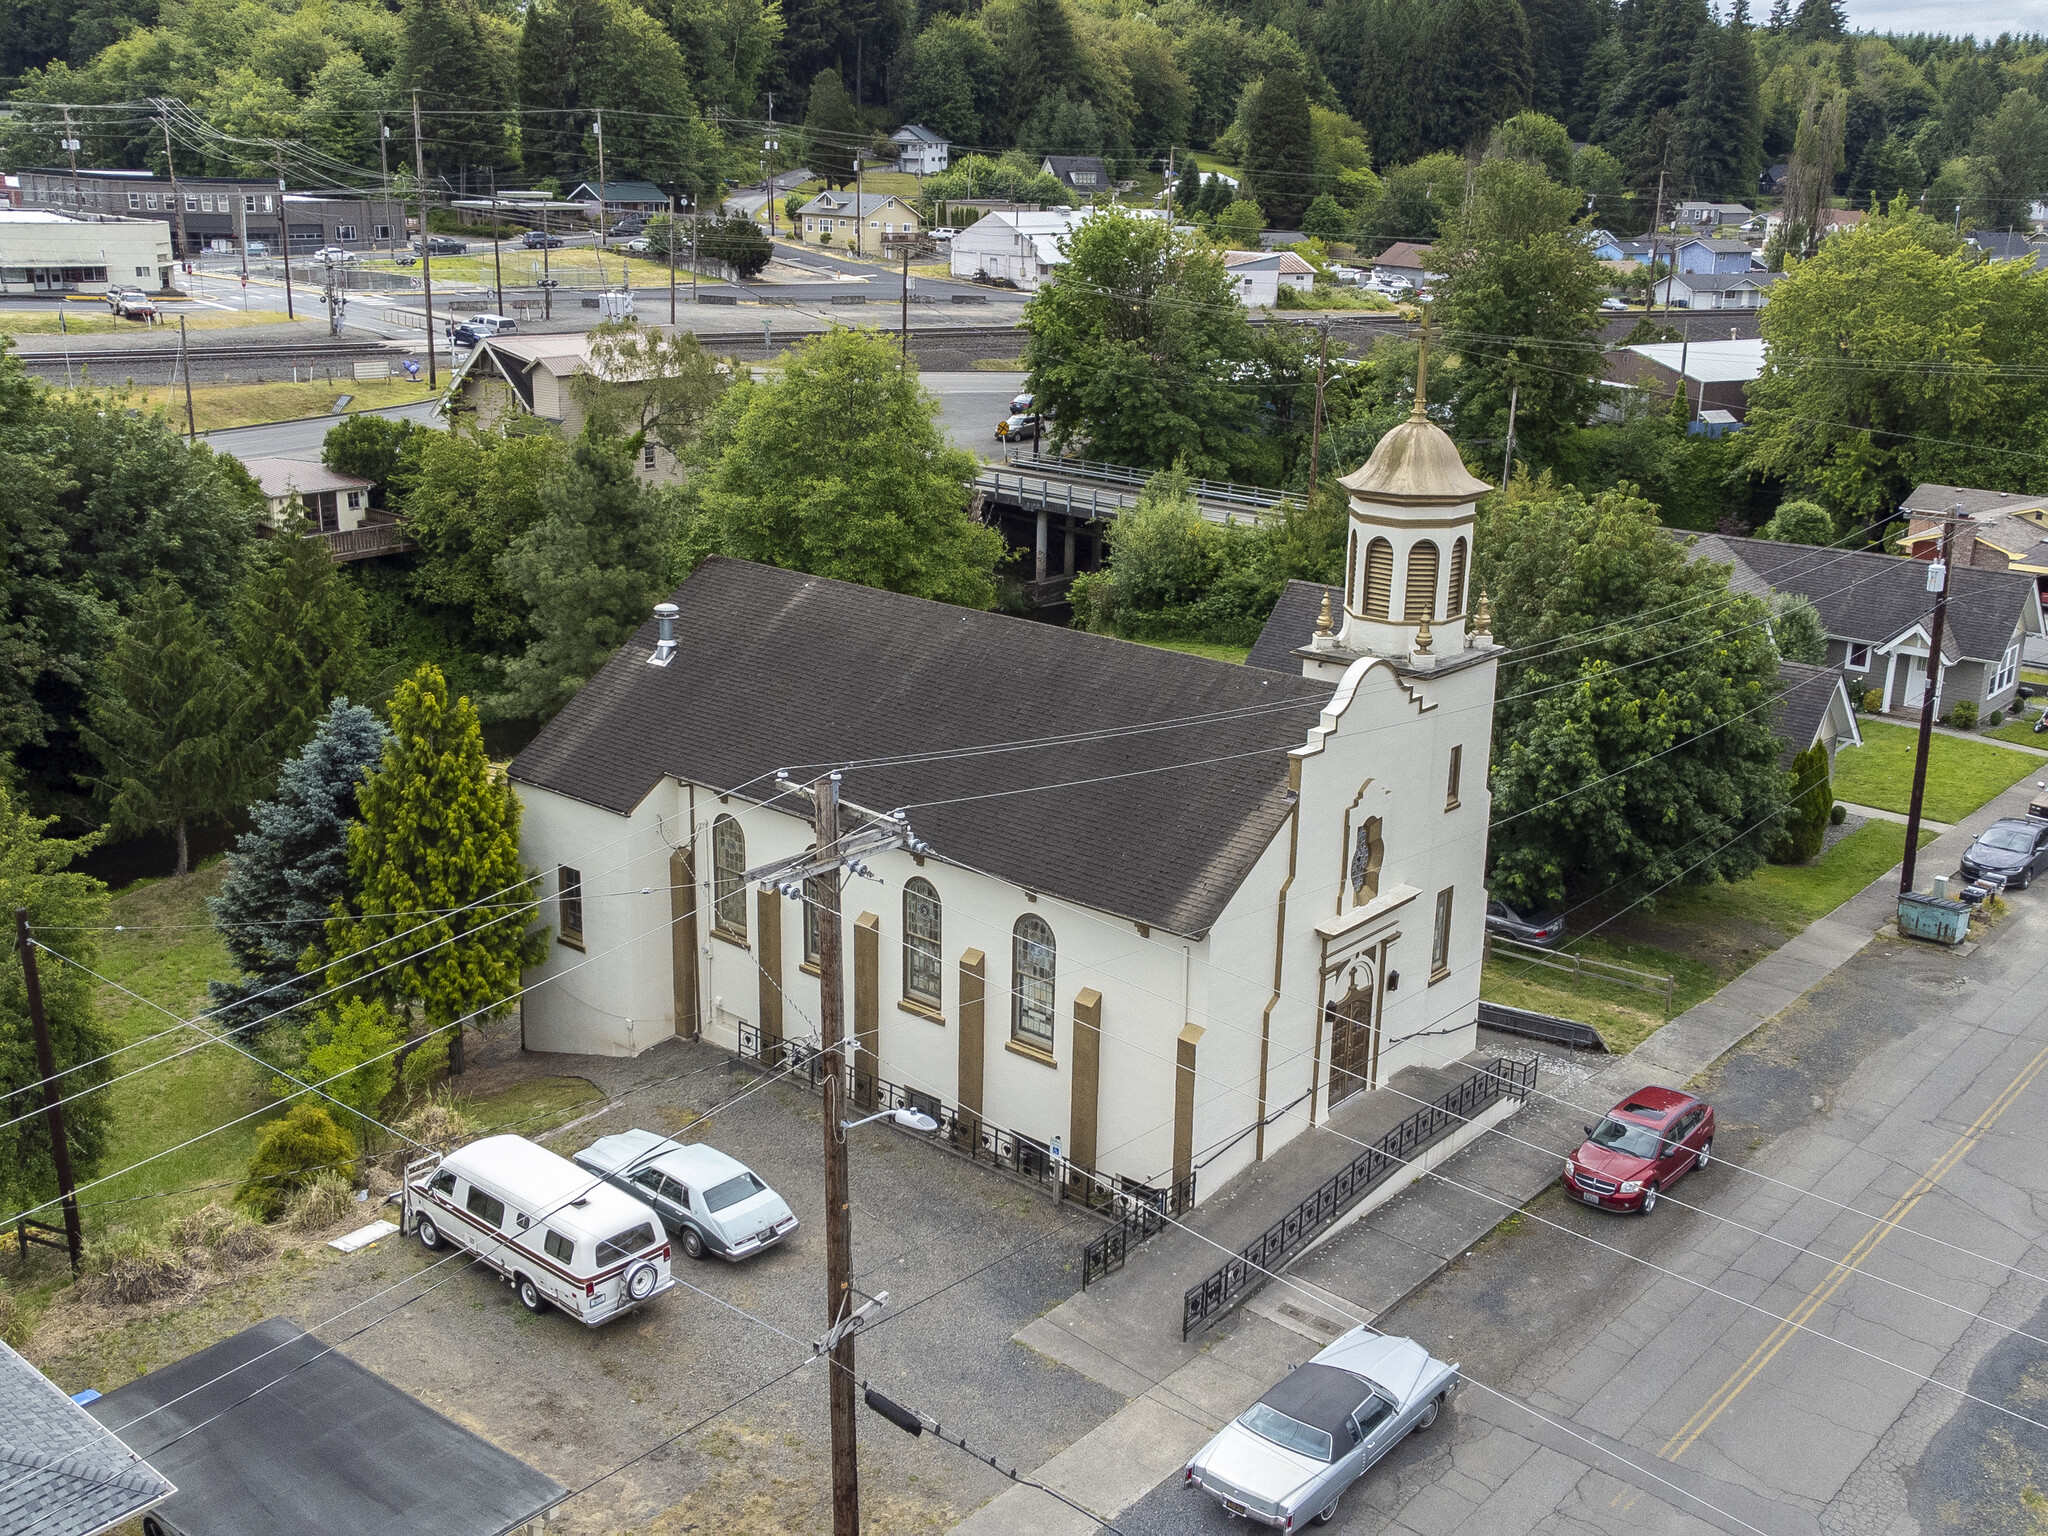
(1656, 88)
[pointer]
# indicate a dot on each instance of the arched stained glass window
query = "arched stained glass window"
(729, 877)
(923, 973)
(1033, 964)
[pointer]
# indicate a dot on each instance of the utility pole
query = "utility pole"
(696, 210)
(1514, 399)
(497, 263)
(597, 132)
(53, 1100)
(163, 114)
(860, 213)
(669, 237)
(838, 1207)
(1315, 435)
(1938, 584)
(419, 161)
(768, 148)
(384, 156)
(71, 149)
(1656, 221)
(185, 363)
(906, 306)
(284, 240)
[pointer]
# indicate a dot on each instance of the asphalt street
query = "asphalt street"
(1840, 1326)
(301, 439)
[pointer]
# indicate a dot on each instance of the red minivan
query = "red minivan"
(1647, 1143)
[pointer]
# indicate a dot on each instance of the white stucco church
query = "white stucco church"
(1173, 909)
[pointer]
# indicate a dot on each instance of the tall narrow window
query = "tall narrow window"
(729, 877)
(1351, 573)
(1454, 594)
(569, 904)
(1451, 784)
(1419, 592)
(922, 975)
(814, 894)
(1033, 959)
(1379, 579)
(1366, 856)
(1440, 937)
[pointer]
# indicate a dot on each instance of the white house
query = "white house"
(920, 151)
(1165, 904)
(1716, 290)
(331, 502)
(1022, 248)
(1260, 275)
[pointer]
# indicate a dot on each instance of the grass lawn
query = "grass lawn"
(1230, 653)
(1961, 775)
(1702, 937)
(2033, 675)
(532, 1107)
(81, 321)
(215, 406)
(2018, 729)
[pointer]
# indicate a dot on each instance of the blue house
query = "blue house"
(1706, 255)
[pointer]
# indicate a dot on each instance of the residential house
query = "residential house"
(61, 1473)
(920, 151)
(1260, 275)
(330, 502)
(1832, 221)
(1402, 262)
(1813, 710)
(273, 1430)
(1628, 254)
(880, 220)
(2006, 531)
(43, 251)
(220, 213)
(619, 198)
(1771, 179)
(1716, 374)
(1715, 290)
(509, 376)
(1705, 215)
(1022, 249)
(1108, 970)
(1878, 615)
(1701, 254)
(2003, 244)
(1084, 174)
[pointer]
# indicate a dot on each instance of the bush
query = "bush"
(1964, 715)
(291, 1153)
(134, 1268)
(350, 1054)
(228, 1233)
(1799, 522)
(1997, 719)
(1327, 219)
(1838, 814)
(438, 1124)
(1872, 700)
(321, 1204)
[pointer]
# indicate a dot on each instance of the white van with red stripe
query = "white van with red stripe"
(558, 1235)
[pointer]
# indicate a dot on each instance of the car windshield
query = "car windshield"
(1270, 1423)
(1622, 1136)
(2011, 839)
(741, 1186)
(626, 1244)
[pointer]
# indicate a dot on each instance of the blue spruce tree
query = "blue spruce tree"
(287, 872)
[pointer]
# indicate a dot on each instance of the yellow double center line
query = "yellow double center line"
(1848, 1264)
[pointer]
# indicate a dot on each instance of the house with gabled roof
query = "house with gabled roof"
(860, 221)
(61, 1473)
(1878, 614)
(920, 151)
(1157, 903)
(1084, 174)
(1715, 290)
(1260, 275)
(508, 377)
(2006, 531)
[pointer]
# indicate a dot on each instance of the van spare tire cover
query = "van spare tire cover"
(641, 1281)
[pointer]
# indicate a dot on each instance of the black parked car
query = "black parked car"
(1545, 929)
(442, 245)
(540, 239)
(2016, 848)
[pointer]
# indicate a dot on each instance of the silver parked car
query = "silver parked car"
(709, 1202)
(1289, 1457)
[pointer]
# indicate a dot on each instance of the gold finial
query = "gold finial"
(1422, 639)
(1422, 371)
(1323, 624)
(1482, 621)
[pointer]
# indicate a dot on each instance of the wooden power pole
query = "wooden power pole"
(419, 162)
(53, 1108)
(1939, 579)
(824, 889)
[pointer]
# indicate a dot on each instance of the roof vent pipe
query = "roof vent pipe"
(665, 645)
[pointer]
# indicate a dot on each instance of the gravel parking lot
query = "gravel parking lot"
(966, 1255)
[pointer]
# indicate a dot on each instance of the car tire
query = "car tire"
(530, 1296)
(692, 1242)
(1328, 1512)
(2026, 880)
(1649, 1200)
(1706, 1153)
(1428, 1416)
(429, 1234)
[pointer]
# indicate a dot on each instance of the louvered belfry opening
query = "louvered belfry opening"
(1379, 578)
(1454, 594)
(1420, 590)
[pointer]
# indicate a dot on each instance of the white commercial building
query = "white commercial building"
(1260, 275)
(46, 252)
(1022, 248)
(1187, 908)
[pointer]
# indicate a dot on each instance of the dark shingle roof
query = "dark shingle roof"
(1292, 624)
(1868, 597)
(1938, 500)
(777, 669)
(61, 1474)
(326, 1446)
(1805, 693)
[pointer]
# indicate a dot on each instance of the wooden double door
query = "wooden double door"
(1354, 1041)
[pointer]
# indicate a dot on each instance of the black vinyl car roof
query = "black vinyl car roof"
(1320, 1396)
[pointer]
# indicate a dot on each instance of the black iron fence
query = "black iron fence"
(1258, 1260)
(1135, 1208)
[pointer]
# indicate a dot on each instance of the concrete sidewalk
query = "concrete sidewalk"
(1125, 1333)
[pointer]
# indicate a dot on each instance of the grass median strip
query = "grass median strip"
(1961, 775)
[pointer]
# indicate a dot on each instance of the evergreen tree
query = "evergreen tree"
(1819, 21)
(1479, 70)
(589, 572)
(1808, 804)
(832, 130)
(1278, 151)
(435, 924)
(1041, 55)
(290, 869)
(72, 906)
(2014, 139)
(164, 723)
(1887, 168)
(1720, 132)
(445, 53)
(1781, 15)
(1562, 34)
(300, 640)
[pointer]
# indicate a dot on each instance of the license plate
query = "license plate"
(1590, 1199)
(1234, 1507)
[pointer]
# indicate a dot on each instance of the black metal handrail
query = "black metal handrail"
(977, 1139)
(1258, 1260)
